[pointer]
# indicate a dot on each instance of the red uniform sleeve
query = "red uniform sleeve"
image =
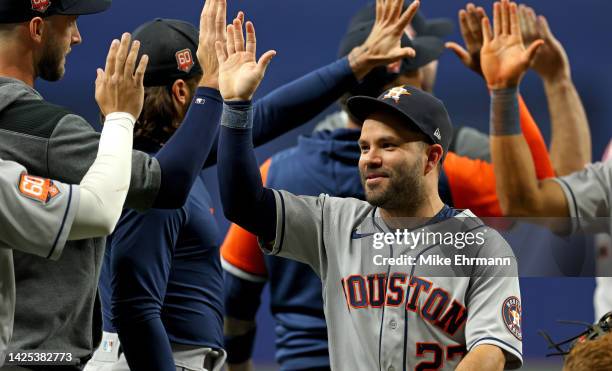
(472, 182)
(240, 248)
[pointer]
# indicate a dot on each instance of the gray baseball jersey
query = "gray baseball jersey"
(36, 217)
(589, 197)
(415, 311)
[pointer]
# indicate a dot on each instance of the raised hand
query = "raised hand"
(239, 72)
(119, 87)
(503, 57)
(470, 23)
(212, 29)
(383, 45)
(550, 61)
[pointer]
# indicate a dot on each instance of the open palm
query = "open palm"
(503, 57)
(239, 72)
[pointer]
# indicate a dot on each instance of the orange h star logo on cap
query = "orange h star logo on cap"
(396, 93)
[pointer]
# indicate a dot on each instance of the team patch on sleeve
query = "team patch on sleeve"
(36, 188)
(511, 314)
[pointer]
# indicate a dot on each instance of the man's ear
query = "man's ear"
(180, 92)
(434, 156)
(37, 29)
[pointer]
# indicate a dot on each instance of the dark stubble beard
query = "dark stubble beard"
(405, 191)
(50, 67)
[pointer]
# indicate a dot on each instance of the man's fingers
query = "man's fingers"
(407, 53)
(111, 57)
(515, 28)
(472, 19)
(99, 76)
(122, 54)
(240, 17)
(231, 49)
(220, 20)
(251, 38)
(238, 36)
(533, 48)
(264, 61)
(379, 10)
(466, 31)
(487, 35)
(396, 9)
(408, 15)
(505, 17)
(141, 70)
(497, 19)
(463, 54)
(130, 63)
(544, 28)
(220, 50)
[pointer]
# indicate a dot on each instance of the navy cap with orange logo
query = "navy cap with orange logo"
(423, 111)
(171, 45)
(17, 11)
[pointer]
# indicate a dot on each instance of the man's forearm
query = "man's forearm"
(484, 357)
(245, 200)
(182, 158)
(515, 174)
(570, 148)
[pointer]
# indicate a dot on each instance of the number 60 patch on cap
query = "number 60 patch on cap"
(37, 188)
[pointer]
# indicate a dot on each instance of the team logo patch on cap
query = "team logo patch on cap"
(37, 188)
(437, 134)
(511, 314)
(184, 60)
(396, 93)
(40, 6)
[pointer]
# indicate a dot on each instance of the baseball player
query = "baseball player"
(380, 316)
(55, 143)
(584, 196)
(39, 215)
(139, 253)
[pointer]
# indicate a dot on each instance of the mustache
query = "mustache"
(375, 174)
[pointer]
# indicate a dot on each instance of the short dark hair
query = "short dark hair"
(158, 116)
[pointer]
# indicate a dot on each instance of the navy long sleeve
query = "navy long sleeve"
(181, 159)
(297, 102)
(245, 200)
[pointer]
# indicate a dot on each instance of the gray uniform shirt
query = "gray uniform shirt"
(384, 315)
(36, 217)
(589, 197)
(55, 300)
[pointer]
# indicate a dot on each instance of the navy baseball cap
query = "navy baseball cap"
(423, 111)
(171, 45)
(437, 27)
(17, 11)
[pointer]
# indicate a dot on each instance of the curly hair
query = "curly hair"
(591, 355)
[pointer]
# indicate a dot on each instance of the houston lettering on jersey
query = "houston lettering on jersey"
(399, 289)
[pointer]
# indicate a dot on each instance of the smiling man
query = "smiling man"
(382, 316)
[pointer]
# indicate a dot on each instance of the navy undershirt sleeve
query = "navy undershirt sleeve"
(182, 157)
(245, 200)
(297, 102)
(141, 260)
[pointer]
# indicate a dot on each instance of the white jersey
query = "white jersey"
(589, 197)
(36, 217)
(400, 305)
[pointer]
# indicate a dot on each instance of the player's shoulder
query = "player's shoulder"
(489, 241)
(34, 117)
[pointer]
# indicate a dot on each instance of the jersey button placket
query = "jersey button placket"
(393, 324)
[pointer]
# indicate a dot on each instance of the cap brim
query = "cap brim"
(85, 7)
(439, 27)
(361, 107)
(427, 48)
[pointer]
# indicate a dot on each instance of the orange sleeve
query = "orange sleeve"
(240, 248)
(472, 185)
(535, 141)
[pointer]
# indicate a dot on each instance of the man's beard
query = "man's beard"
(51, 64)
(405, 190)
